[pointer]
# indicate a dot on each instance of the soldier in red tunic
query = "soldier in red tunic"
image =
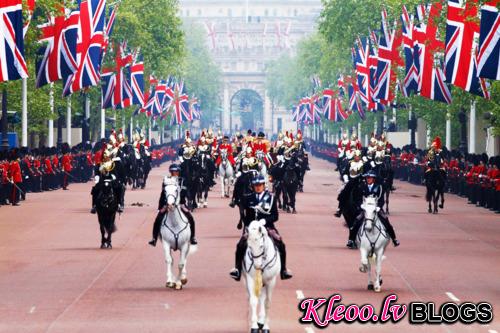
(66, 166)
(15, 178)
(229, 148)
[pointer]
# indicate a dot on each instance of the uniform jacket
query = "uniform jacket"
(264, 208)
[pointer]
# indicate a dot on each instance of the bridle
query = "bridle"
(263, 254)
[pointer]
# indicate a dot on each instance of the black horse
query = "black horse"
(277, 172)
(303, 166)
(242, 191)
(434, 183)
(189, 173)
(205, 175)
(108, 192)
(291, 183)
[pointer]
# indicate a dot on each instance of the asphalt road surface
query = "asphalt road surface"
(54, 277)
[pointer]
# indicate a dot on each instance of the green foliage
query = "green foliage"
(202, 76)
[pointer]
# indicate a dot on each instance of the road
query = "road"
(53, 277)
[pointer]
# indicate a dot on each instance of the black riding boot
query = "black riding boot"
(390, 230)
(94, 200)
(241, 249)
(353, 231)
(282, 250)
(191, 225)
(157, 228)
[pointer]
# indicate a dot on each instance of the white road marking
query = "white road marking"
(452, 297)
(309, 330)
(32, 309)
(492, 331)
(166, 306)
(300, 295)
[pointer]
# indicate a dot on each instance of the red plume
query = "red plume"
(299, 132)
(188, 134)
(437, 142)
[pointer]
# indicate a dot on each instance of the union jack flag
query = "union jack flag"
(354, 100)
(363, 71)
(12, 63)
(180, 105)
(89, 47)
(431, 79)
(388, 60)
(59, 55)
(411, 55)
(194, 109)
(137, 81)
(211, 32)
(123, 92)
(108, 83)
(461, 47)
(489, 41)
(332, 106)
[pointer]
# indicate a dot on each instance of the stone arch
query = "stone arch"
(246, 109)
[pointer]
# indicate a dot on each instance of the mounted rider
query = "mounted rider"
(261, 205)
(371, 188)
(204, 149)
(174, 170)
(351, 175)
(106, 176)
(261, 145)
(229, 149)
(249, 166)
(187, 149)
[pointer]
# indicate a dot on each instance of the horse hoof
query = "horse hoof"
(261, 326)
(363, 268)
(184, 281)
(381, 281)
(430, 210)
(370, 286)
(170, 285)
(377, 289)
(441, 206)
(178, 286)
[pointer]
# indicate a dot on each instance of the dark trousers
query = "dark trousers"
(14, 194)
(353, 231)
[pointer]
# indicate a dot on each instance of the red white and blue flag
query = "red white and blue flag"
(410, 82)
(137, 81)
(89, 47)
(462, 33)
(180, 105)
(12, 63)
(332, 106)
(489, 41)
(108, 83)
(432, 83)
(59, 55)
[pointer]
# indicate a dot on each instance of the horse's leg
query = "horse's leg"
(252, 303)
(429, 200)
(369, 271)
(181, 277)
(262, 307)
(222, 186)
(169, 262)
(103, 239)
(436, 199)
(378, 269)
(441, 192)
(269, 295)
(364, 259)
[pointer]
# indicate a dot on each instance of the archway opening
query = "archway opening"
(247, 111)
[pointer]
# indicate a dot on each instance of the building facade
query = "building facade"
(243, 37)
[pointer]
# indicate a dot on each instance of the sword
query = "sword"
(69, 175)
(12, 182)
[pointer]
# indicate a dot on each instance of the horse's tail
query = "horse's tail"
(257, 284)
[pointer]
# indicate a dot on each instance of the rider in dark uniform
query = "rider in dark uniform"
(105, 175)
(162, 208)
(370, 187)
(260, 205)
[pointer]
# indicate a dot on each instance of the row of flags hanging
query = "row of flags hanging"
(73, 46)
(467, 58)
(240, 39)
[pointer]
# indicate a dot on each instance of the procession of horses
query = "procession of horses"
(259, 177)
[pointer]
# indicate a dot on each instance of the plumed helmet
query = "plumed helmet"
(354, 136)
(436, 143)
(261, 135)
(280, 136)
(249, 150)
(357, 152)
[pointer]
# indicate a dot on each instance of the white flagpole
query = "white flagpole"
(25, 113)
(103, 123)
(68, 121)
(51, 121)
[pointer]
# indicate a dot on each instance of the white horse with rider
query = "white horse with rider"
(226, 173)
(261, 157)
(372, 239)
(261, 267)
(175, 234)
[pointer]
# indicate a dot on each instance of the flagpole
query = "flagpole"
(131, 131)
(86, 135)
(103, 123)
(68, 121)
(51, 121)
(448, 130)
(472, 128)
(25, 112)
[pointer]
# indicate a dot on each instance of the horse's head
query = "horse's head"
(370, 208)
(259, 155)
(257, 234)
(172, 193)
